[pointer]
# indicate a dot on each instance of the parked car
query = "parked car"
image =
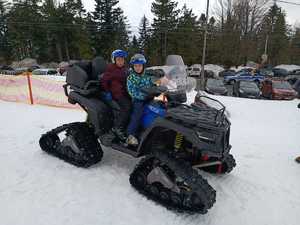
(293, 76)
(7, 70)
(34, 67)
(215, 87)
(21, 70)
(267, 72)
(6, 67)
(246, 89)
(158, 73)
(44, 72)
(279, 72)
(296, 87)
(194, 71)
(244, 76)
(295, 72)
(246, 70)
(278, 89)
(226, 73)
(155, 74)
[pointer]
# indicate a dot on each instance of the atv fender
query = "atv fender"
(97, 112)
(190, 134)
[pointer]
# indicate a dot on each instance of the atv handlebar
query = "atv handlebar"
(154, 91)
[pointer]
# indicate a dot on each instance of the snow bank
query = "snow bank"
(241, 68)
(215, 68)
(52, 77)
(212, 67)
(36, 188)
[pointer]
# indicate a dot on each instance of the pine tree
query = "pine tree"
(112, 29)
(145, 34)
(4, 44)
(164, 22)
(134, 46)
(26, 31)
(295, 47)
(274, 27)
(187, 36)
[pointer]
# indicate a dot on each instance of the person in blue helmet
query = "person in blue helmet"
(137, 80)
(113, 83)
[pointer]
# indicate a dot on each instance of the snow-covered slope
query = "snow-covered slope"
(37, 189)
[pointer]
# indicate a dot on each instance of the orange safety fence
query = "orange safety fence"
(34, 90)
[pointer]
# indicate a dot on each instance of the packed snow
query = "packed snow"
(38, 189)
(241, 68)
(53, 77)
(216, 69)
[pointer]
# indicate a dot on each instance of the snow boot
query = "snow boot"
(119, 132)
(132, 140)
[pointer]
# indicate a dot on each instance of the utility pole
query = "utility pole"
(202, 81)
(165, 45)
(266, 45)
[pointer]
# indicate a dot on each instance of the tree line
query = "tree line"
(238, 31)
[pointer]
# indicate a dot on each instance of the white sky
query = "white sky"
(135, 9)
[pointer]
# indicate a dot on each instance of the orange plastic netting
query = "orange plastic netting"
(45, 90)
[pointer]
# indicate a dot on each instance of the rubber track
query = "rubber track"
(90, 149)
(183, 170)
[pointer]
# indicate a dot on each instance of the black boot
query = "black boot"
(120, 133)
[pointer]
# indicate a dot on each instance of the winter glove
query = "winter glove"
(107, 96)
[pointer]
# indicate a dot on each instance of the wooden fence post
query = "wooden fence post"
(29, 87)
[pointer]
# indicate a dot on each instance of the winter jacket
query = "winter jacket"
(114, 81)
(135, 83)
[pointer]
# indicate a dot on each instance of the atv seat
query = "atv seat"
(83, 77)
(83, 80)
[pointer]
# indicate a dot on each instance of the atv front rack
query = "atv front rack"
(198, 114)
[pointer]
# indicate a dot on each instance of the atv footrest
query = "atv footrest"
(125, 150)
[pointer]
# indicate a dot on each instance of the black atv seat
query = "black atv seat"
(84, 77)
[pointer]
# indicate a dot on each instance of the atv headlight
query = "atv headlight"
(242, 91)
(206, 137)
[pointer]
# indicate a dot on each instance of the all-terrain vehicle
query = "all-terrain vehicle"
(176, 140)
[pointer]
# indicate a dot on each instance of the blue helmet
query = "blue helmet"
(138, 59)
(118, 53)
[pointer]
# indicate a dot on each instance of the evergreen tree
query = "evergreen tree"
(112, 29)
(295, 47)
(187, 36)
(4, 44)
(275, 28)
(145, 34)
(164, 23)
(134, 46)
(25, 30)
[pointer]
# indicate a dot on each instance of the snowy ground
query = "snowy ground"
(37, 189)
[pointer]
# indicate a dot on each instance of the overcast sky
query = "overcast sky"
(135, 9)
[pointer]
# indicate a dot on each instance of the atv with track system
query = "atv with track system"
(176, 141)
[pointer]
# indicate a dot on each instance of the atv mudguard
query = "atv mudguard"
(162, 124)
(97, 112)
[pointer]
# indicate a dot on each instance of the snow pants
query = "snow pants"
(136, 116)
